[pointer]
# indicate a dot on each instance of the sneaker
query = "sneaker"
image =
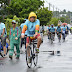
(37, 50)
(10, 57)
(29, 59)
(5, 55)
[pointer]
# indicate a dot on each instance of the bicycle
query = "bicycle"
(51, 37)
(59, 36)
(31, 52)
(63, 35)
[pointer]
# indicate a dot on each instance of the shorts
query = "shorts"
(31, 38)
(53, 32)
(3, 40)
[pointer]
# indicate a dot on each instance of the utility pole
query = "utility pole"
(56, 12)
(53, 8)
(49, 6)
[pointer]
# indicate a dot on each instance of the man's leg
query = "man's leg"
(17, 50)
(21, 42)
(25, 42)
(39, 41)
(11, 51)
(4, 45)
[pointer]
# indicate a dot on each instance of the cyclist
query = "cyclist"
(3, 36)
(48, 30)
(71, 30)
(14, 37)
(32, 27)
(67, 30)
(23, 39)
(52, 30)
(64, 29)
(59, 30)
(43, 29)
(41, 33)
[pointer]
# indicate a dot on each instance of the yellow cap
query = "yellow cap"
(32, 14)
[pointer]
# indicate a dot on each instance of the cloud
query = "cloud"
(61, 4)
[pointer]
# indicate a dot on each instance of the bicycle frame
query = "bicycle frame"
(30, 51)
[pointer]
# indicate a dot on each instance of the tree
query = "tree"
(65, 19)
(54, 21)
(44, 15)
(62, 19)
(21, 8)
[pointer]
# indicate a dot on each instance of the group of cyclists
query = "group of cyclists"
(28, 31)
(60, 29)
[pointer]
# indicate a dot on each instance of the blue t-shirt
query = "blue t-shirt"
(52, 29)
(58, 29)
(22, 28)
(2, 26)
(31, 27)
(48, 28)
(64, 28)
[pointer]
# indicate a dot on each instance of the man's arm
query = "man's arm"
(3, 32)
(23, 31)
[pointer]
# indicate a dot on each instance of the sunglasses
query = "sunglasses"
(13, 23)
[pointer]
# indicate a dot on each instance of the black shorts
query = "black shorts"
(3, 40)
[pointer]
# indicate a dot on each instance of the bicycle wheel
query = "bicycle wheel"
(29, 56)
(51, 38)
(35, 56)
(59, 37)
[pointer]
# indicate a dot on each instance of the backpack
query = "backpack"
(11, 29)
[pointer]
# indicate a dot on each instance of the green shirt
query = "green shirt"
(13, 35)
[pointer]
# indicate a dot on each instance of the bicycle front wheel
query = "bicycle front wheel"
(35, 57)
(29, 56)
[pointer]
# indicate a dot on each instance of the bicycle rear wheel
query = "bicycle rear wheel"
(35, 57)
(29, 56)
(52, 38)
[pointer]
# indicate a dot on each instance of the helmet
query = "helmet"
(52, 25)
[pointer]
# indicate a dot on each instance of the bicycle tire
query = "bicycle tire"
(28, 64)
(35, 57)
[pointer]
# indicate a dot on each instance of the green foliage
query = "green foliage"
(54, 21)
(62, 19)
(44, 15)
(65, 19)
(22, 8)
(8, 24)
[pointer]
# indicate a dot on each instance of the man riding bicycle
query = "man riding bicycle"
(59, 30)
(32, 27)
(64, 30)
(52, 30)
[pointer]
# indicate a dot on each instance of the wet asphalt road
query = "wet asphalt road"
(46, 62)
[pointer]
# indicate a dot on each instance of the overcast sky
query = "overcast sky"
(61, 4)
